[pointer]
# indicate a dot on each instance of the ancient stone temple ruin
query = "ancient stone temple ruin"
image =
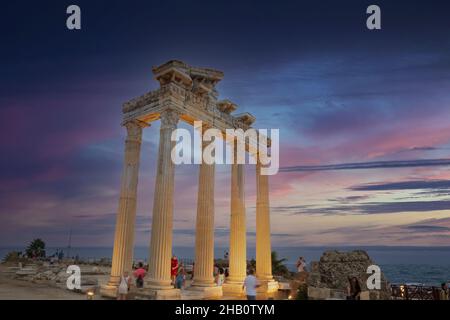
(187, 93)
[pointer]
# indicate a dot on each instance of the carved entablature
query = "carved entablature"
(200, 80)
(146, 99)
(174, 75)
(245, 118)
(191, 93)
(226, 106)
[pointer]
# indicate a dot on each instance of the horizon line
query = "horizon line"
(386, 164)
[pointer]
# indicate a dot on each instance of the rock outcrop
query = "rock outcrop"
(329, 276)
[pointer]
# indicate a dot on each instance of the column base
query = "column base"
(210, 292)
(158, 285)
(109, 291)
(201, 283)
(157, 294)
(233, 288)
(267, 286)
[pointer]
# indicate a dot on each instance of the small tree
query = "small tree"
(278, 267)
(36, 249)
(302, 292)
(11, 256)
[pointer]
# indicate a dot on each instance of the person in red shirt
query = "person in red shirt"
(139, 274)
(174, 270)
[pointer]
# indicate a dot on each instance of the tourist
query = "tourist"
(139, 274)
(227, 273)
(444, 294)
(216, 269)
(301, 265)
(174, 270)
(220, 277)
(250, 285)
(353, 289)
(180, 279)
(193, 269)
(124, 286)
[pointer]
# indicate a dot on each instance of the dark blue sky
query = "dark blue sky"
(339, 93)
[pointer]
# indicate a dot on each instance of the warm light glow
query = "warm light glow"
(402, 291)
(90, 295)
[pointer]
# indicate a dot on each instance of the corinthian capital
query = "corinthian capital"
(134, 129)
(169, 119)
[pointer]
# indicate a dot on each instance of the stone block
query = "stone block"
(233, 289)
(213, 292)
(318, 293)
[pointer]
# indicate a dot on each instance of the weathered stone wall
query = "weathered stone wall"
(334, 268)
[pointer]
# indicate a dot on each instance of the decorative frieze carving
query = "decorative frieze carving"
(146, 99)
(187, 88)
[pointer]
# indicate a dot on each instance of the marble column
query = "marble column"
(122, 258)
(161, 239)
(238, 236)
(204, 237)
(263, 247)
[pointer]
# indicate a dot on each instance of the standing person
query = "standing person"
(226, 255)
(124, 286)
(443, 294)
(250, 285)
(180, 279)
(139, 274)
(220, 278)
(301, 264)
(215, 271)
(353, 289)
(174, 268)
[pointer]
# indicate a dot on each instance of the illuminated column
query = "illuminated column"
(204, 238)
(122, 258)
(263, 248)
(161, 239)
(238, 245)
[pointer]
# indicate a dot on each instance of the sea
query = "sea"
(425, 265)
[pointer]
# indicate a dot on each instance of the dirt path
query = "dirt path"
(11, 289)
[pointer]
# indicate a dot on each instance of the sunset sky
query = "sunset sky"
(362, 116)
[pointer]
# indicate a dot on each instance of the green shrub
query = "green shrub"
(302, 292)
(12, 256)
(36, 249)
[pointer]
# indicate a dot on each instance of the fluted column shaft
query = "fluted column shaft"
(263, 246)
(238, 236)
(162, 222)
(122, 258)
(204, 238)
